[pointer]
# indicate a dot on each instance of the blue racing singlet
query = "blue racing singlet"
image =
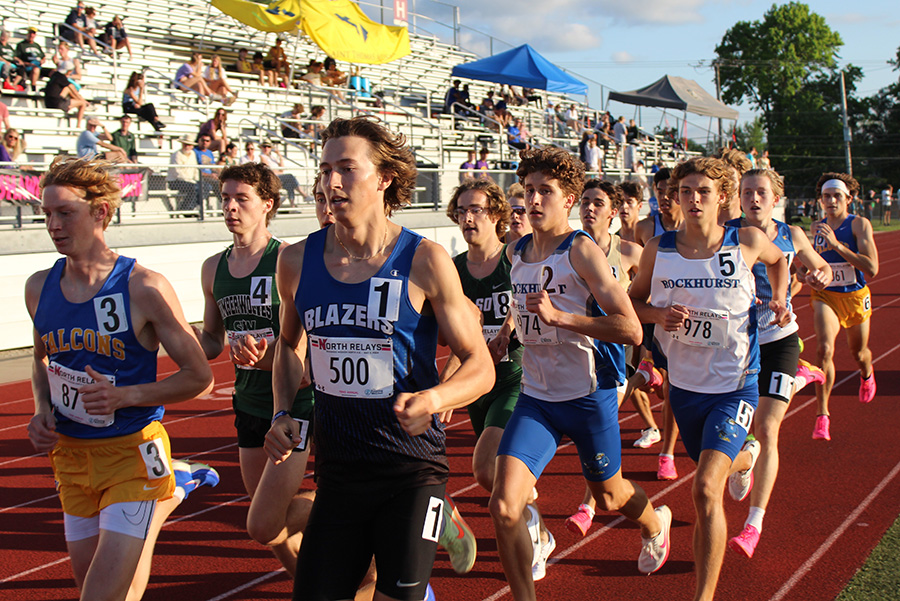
(846, 278)
(98, 333)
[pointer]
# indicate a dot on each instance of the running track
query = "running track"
(831, 505)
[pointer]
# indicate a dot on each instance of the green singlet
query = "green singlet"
(249, 305)
(492, 295)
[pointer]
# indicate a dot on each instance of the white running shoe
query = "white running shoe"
(539, 568)
(655, 551)
(649, 437)
(740, 483)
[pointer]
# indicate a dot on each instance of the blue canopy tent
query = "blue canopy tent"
(521, 66)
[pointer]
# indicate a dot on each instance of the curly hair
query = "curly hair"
(776, 181)
(515, 190)
(98, 179)
(611, 190)
(715, 169)
(497, 203)
(263, 180)
(630, 189)
(851, 182)
(387, 151)
(555, 163)
(734, 158)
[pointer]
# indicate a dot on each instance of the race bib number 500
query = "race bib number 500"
(353, 367)
(65, 387)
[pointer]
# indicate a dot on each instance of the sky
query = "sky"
(626, 44)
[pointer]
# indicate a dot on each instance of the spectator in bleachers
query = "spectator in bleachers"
(75, 28)
(487, 104)
(230, 156)
(215, 77)
(333, 76)
(189, 77)
(451, 97)
(316, 121)
(593, 155)
(292, 126)
(502, 115)
(633, 132)
(517, 135)
(573, 119)
(124, 139)
(61, 94)
(271, 158)
(14, 143)
(243, 64)
(4, 116)
(266, 76)
(209, 179)
(313, 74)
(276, 61)
(532, 96)
(30, 57)
(133, 101)
(467, 169)
(90, 27)
(183, 175)
(68, 65)
(115, 36)
(482, 165)
(9, 72)
(89, 143)
(764, 162)
(217, 130)
(4, 155)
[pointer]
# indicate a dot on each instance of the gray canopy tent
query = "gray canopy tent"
(670, 92)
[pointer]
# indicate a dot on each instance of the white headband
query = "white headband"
(836, 184)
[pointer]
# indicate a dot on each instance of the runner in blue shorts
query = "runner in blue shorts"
(702, 300)
(565, 302)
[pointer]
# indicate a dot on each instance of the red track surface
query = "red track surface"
(831, 505)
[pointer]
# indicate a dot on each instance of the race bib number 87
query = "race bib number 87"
(65, 395)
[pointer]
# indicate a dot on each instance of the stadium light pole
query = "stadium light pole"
(847, 135)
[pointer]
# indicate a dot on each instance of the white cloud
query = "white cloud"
(622, 57)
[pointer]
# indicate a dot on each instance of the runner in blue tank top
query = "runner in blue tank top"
(367, 298)
(779, 347)
(846, 241)
(99, 319)
(699, 282)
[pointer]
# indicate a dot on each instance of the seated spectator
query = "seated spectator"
(230, 156)
(482, 165)
(124, 139)
(61, 94)
(243, 64)
(189, 77)
(4, 156)
(216, 130)
(183, 175)
(251, 156)
(333, 76)
(502, 115)
(292, 127)
(467, 169)
(215, 78)
(90, 28)
(14, 143)
(277, 62)
(487, 104)
(634, 133)
(75, 28)
(452, 97)
(67, 65)
(516, 137)
(532, 96)
(133, 101)
(258, 66)
(9, 72)
(573, 119)
(316, 120)
(89, 143)
(313, 75)
(30, 57)
(271, 158)
(115, 36)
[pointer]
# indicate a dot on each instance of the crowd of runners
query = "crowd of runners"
(334, 340)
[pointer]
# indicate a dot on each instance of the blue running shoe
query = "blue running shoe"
(429, 594)
(191, 474)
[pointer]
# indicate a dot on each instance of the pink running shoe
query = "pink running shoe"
(810, 373)
(666, 469)
(821, 431)
(580, 521)
(867, 388)
(651, 374)
(746, 541)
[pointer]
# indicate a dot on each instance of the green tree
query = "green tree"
(785, 65)
(878, 132)
(751, 135)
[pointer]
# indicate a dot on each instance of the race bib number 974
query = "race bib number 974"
(353, 367)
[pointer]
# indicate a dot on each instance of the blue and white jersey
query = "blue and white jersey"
(845, 277)
(658, 227)
(769, 332)
(716, 350)
(367, 343)
(559, 364)
(98, 333)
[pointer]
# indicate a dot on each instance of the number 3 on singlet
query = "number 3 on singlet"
(110, 313)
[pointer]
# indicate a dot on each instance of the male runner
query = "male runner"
(702, 297)
(779, 347)
(573, 319)
(518, 220)
(600, 203)
(738, 164)
(99, 319)
(847, 243)
(367, 297)
(630, 211)
(241, 310)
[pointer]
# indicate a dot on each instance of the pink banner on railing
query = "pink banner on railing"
(23, 186)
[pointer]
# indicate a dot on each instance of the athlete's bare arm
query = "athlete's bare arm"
(212, 336)
(756, 246)
(289, 363)
(818, 272)
(433, 278)
(631, 257)
(42, 427)
(619, 325)
(672, 317)
(644, 230)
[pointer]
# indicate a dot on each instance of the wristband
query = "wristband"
(281, 413)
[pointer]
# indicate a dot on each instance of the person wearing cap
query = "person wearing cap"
(847, 243)
(89, 141)
(30, 57)
(271, 158)
(183, 174)
(115, 36)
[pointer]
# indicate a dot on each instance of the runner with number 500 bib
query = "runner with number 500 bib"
(847, 243)
(702, 291)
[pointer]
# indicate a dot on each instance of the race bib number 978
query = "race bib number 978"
(703, 327)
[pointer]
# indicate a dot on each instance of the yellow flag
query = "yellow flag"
(338, 27)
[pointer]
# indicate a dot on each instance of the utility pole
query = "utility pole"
(719, 98)
(847, 136)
